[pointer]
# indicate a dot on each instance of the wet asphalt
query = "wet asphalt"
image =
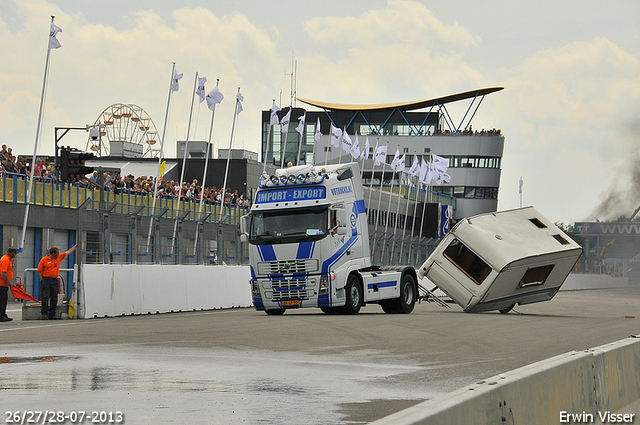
(243, 367)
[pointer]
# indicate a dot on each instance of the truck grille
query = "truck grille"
(309, 265)
(289, 289)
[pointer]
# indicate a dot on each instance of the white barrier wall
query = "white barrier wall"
(578, 387)
(123, 289)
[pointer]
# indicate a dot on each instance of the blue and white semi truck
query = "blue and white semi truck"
(309, 245)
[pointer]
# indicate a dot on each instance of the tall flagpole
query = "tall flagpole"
(424, 209)
(406, 215)
(164, 132)
(204, 174)
(386, 223)
(35, 146)
(226, 173)
(413, 224)
(284, 146)
(395, 224)
(264, 166)
(184, 162)
(375, 230)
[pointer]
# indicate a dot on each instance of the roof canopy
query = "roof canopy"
(403, 106)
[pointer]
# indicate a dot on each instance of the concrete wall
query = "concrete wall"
(124, 289)
(590, 383)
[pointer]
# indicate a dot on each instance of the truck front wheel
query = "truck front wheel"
(354, 295)
(276, 312)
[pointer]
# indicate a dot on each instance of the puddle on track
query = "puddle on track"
(199, 386)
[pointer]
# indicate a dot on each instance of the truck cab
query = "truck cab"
(309, 245)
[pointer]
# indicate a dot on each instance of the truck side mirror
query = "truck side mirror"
(342, 218)
(244, 225)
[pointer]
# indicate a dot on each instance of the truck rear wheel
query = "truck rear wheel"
(407, 300)
(354, 295)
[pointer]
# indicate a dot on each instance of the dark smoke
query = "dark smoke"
(622, 202)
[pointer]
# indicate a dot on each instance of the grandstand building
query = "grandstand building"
(415, 129)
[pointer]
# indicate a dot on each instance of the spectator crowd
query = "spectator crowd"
(113, 181)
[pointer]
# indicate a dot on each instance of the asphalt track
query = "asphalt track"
(305, 367)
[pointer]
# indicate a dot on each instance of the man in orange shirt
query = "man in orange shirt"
(48, 271)
(6, 274)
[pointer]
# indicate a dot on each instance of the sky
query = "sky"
(570, 110)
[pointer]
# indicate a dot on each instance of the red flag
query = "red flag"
(20, 293)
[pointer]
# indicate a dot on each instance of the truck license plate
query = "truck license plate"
(290, 303)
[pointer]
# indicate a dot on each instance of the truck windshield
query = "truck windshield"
(282, 226)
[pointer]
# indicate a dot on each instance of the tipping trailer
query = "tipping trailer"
(497, 260)
(309, 245)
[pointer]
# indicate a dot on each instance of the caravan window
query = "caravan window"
(536, 276)
(465, 259)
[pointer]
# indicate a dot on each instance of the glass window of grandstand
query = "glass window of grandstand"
(366, 129)
(467, 261)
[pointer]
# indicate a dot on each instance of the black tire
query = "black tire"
(407, 300)
(354, 296)
(507, 310)
(276, 312)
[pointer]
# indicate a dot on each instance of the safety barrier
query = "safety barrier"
(600, 385)
(127, 289)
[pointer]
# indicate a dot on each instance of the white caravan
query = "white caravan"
(309, 245)
(495, 261)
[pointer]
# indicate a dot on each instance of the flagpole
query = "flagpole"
(301, 134)
(284, 146)
(204, 175)
(395, 226)
(35, 147)
(226, 173)
(406, 212)
(424, 209)
(264, 166)
(386, 224)
(384, 166)
(184, 162)
(164, 132)
(413, 224)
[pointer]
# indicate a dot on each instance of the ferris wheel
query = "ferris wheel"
(126, 123)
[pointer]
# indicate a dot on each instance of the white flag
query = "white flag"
(415, 167)
(200, 90)
(336, 134)
(214, 97)
(274, 114)
(239, 99)
(400, 163)
(284, 122)
(175, 86)
(355, 149)
(439, 163)
(365, 151)
(53, 41)
(424, 169)
(346, 141)
(380, 155)
(300, 127)
(318, 136)
(396, 157)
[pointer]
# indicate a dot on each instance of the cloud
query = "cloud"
(569, 109)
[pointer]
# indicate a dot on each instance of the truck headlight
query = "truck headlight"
(255, 288)
(324, 285)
